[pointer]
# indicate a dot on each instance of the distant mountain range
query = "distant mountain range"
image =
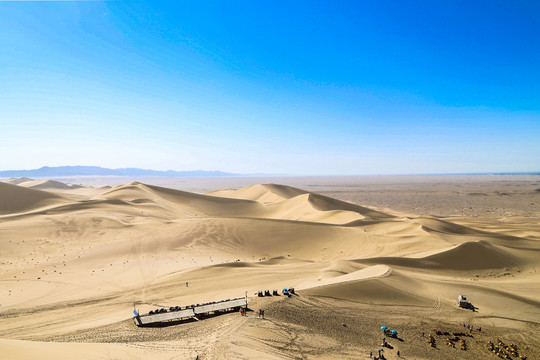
(47, 171)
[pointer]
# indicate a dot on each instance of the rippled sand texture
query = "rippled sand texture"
(75, 259)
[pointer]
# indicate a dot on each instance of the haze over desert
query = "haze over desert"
(76, 259)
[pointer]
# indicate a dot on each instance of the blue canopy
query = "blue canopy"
(383, 328)
(393, 332)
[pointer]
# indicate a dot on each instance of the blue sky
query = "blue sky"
(302, 87)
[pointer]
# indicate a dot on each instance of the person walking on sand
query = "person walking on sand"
(398, 353)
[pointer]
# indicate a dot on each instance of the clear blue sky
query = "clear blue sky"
(335, 87)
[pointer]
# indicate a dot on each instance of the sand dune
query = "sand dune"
(473, 255)
(74, 260)
(17, 181)
(469, 256)
(70, 191)
(445, 227)
(299, 203)
(190, 204)
(48, 184)
(377, 284)
(14, 199)
(326, 278)
(41, 184)
(264, 193)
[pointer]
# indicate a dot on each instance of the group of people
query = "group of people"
(380, 352)
(380, 355)
(470, 327)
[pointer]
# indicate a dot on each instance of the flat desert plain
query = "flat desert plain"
(361, 252)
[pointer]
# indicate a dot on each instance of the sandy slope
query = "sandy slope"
(17, 181)
(71, 191)
(17, 199)
(48, 185)
(74, 260)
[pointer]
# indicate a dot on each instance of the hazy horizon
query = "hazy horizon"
(208, 173)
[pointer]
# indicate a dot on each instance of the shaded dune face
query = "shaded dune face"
(17, 181)
(14, 199)
(48, 184)
(139, 243)
(477, 257)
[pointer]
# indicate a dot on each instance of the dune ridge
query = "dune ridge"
(14, 199)
(48, 184)
(264, 193)
(75, 260)
(17, 181)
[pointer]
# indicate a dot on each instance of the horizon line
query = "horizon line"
(232, 174)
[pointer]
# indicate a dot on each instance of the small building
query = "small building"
(462, 300)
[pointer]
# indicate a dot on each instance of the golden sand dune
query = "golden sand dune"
(264, 193)
(47, 184)
(469, 256)
(15, 199)
(17, 181)
(301, 208)
(71, 191)
(188, 204)
(296, 204)
(74, 261)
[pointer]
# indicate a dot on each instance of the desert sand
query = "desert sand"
(369, 252)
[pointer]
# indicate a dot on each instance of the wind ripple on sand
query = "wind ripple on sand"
(142, 243)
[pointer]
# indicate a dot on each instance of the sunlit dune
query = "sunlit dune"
(76, 259)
